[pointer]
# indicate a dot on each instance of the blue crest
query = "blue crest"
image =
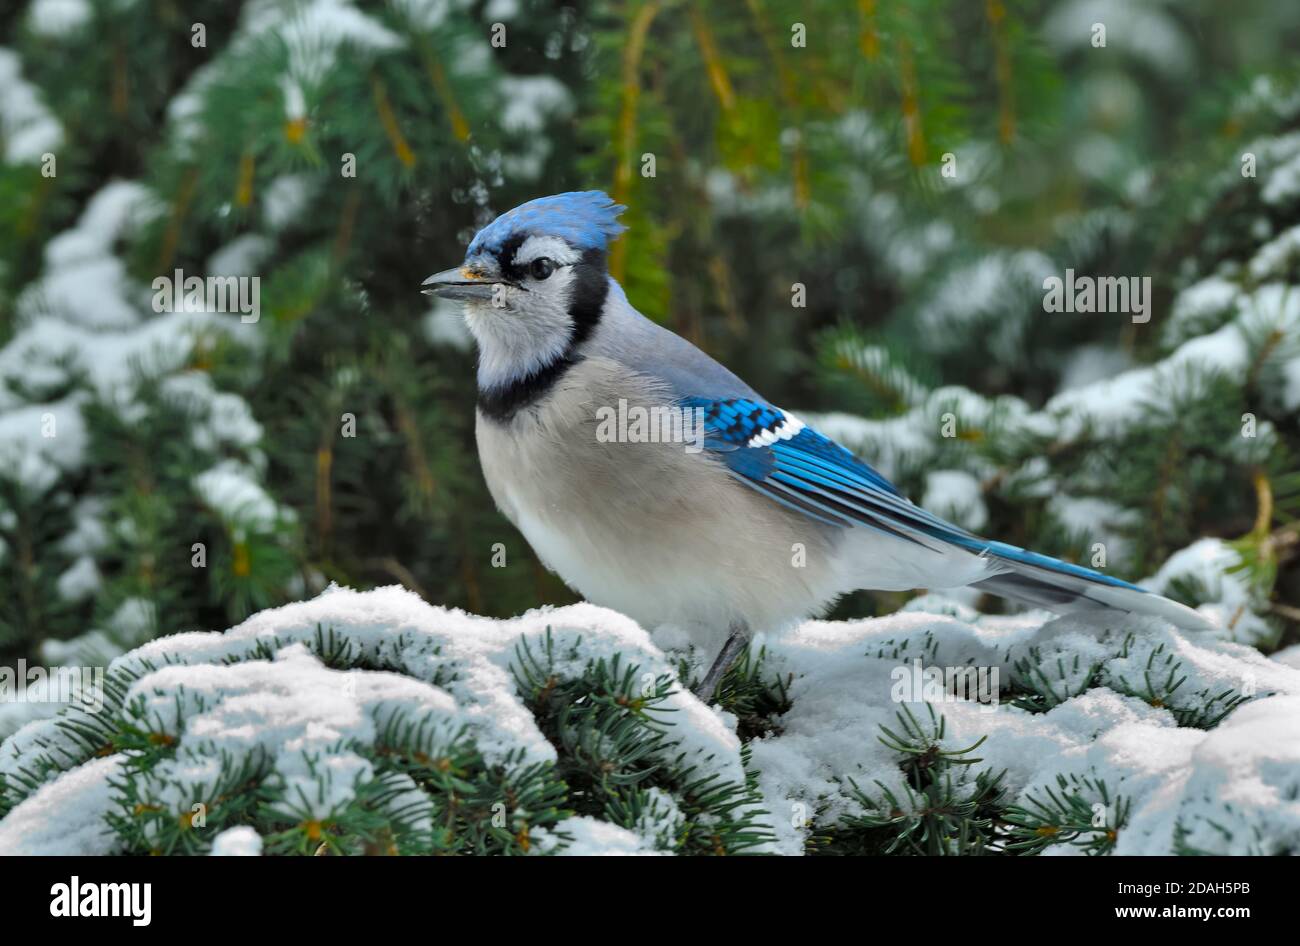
(586, 220)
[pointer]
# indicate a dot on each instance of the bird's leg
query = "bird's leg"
(737, 642)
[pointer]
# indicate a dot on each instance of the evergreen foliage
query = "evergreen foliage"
(170, 471)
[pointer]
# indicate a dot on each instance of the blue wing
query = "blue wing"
(780, 456)
(791, 463)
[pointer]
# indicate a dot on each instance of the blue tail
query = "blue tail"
(1060, 586)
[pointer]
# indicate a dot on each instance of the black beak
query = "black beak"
(459, 283)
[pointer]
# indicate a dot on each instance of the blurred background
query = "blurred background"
(854, 206)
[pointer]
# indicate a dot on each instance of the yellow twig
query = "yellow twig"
(712, 60)
(121, 82)
(389, 120)
(997, 15)
(180, 206)
(438, 77)
(347, 225)
(324, 497)
(1263, 503)
(912, 128)
(244, 185)
(870, 38)
(626, 141)
(790, 96)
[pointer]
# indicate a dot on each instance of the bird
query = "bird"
(744, 519)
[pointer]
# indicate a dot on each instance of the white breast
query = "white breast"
(649, 529)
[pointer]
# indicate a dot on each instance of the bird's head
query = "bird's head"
(534, 280)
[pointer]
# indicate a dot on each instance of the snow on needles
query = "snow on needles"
(844, 680)
(28, 129)
(258, 688)
(67, 816)
(293, 708)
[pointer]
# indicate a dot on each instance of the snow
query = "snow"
(66, 817)
(956, 496)
(88, 534)
(529, 99)
(86, 331)
(594, 838)
(109, 214)
(218, 418)
(294, 702)
(841, 695)
(211, 697)
(84, 326)
(95, 648)
(285, 200)
(1291, 384)
(984, 291)
(84, 284)
(14, 716)
(1113, 404)
(1201, 306)
(29, 129)
(878, 362)
(241, 256)
(1265, 95)
(185, 110)
(1215, 567)
(134, 621)
(80, 580)
(501, 9)
(1145, 32)
(232, 491)
(528, 102)
(51, 352)
(422, 639)
(1089, 364)
(56, 19)
(1095, 519)
(912, 440)
(1290, 656)
(314, 32)
(90, 293)
(40, 442)
(1277, 258)
(241, 841)
(1278, 167)
(1232, 790)
(289, 712)
(887, 444)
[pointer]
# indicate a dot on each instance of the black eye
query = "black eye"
(541, 267)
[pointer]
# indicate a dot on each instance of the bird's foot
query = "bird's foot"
(737, 642)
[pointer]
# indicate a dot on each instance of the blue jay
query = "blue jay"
(763, 525)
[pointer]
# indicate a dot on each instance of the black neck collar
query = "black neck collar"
(501, 402)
